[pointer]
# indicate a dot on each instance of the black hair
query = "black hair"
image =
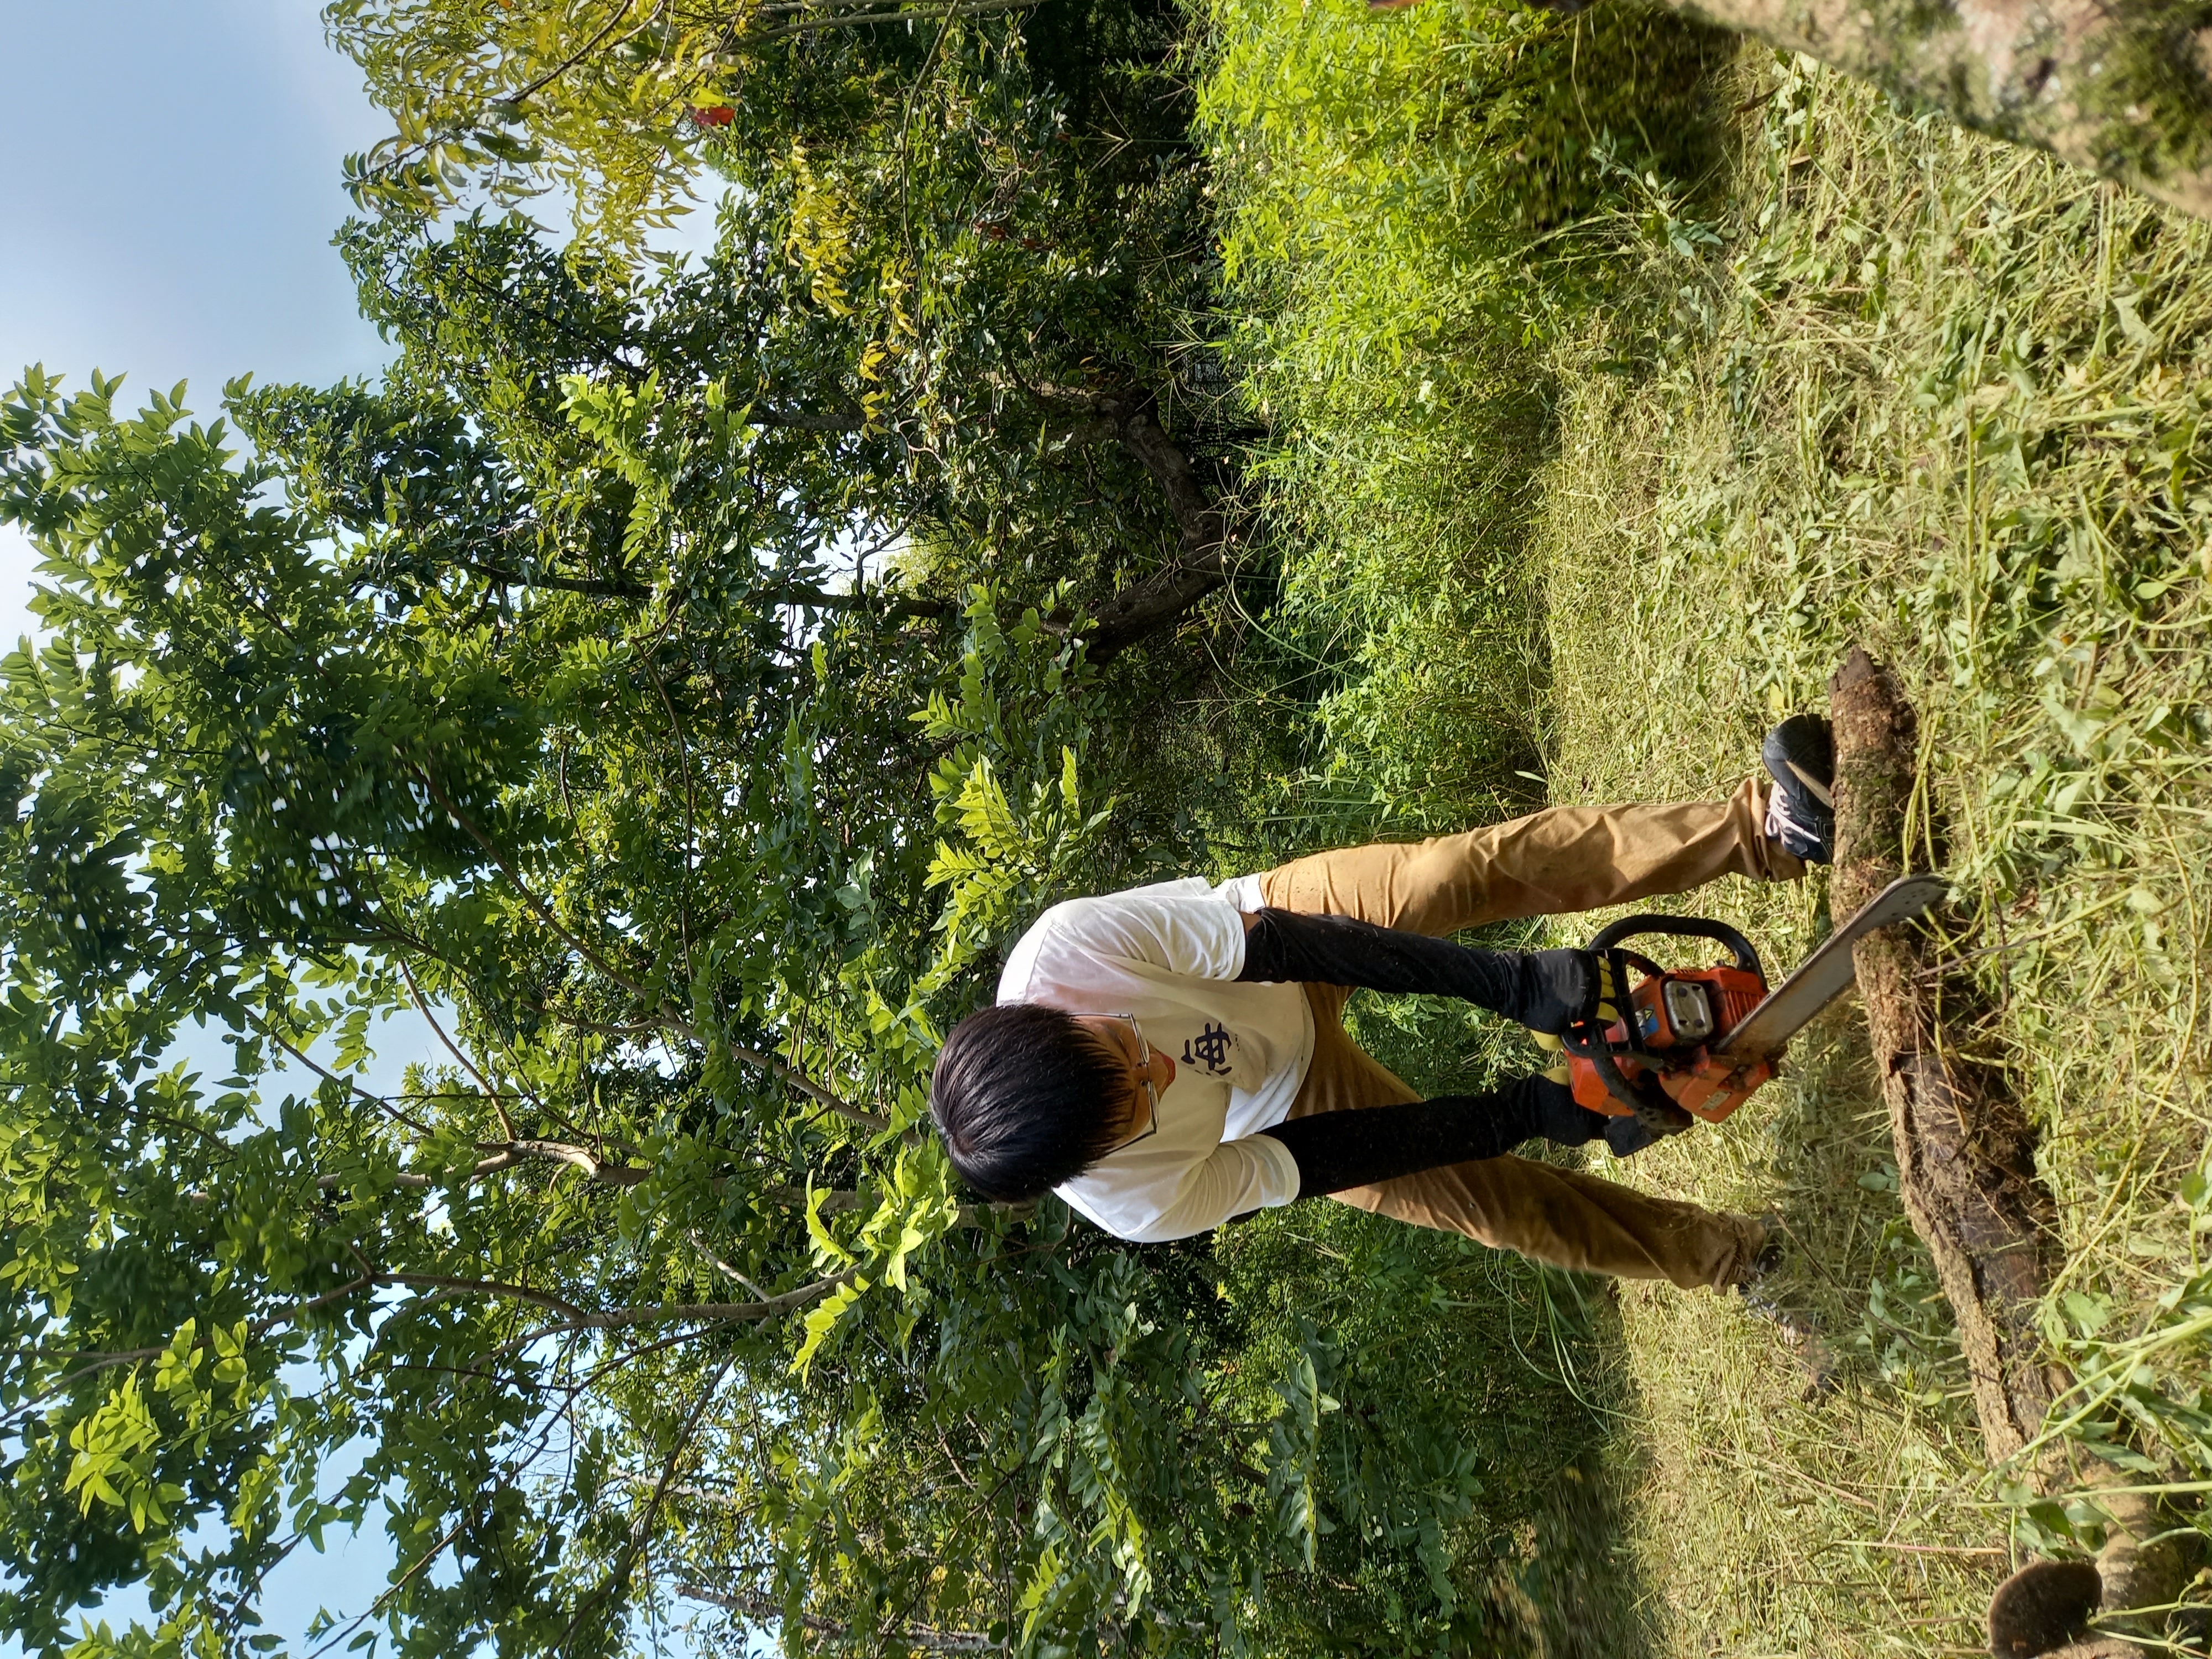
(1024, 1097)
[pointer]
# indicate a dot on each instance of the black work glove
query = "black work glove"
(1625, 1136)
(1559, 989)
(1565, 1121)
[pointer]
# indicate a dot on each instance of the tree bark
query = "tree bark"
(2120, 87)
(1201, 561)
(1966, 1154)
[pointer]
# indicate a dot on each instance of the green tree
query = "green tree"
(991, 232)
(549, 691)
(652, 870)
(516, 694)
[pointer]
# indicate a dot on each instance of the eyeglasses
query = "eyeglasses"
(1151, 1092)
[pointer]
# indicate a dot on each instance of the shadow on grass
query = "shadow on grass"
(1576, 1580)
(1474, 1500)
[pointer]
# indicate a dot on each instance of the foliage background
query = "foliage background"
(1571, 368)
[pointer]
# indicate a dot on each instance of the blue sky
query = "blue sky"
(169, 199)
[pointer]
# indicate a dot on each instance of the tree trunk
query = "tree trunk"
(1201, 561)
(1966, 1154)
(2121, 87)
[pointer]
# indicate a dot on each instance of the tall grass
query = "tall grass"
(1918, 391)
(1398, 198)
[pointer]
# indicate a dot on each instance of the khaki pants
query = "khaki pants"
(1570, 858)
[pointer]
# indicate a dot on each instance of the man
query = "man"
(1171, 1057)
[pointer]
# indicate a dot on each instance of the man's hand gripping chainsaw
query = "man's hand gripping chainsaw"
(1691, 1043)
(1650, 1054)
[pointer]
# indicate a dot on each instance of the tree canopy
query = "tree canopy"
(525, 693)
(670, 686)
(660, 869)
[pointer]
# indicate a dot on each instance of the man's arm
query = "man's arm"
(1196, 935)
(1361, 1147)
(1544, 990)
(1238, 1177)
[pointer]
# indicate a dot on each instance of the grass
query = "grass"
(1862, 379)
(1390, 178)
(1944, 399)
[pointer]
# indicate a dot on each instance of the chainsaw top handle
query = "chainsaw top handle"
(1586, 1040)
(1610, 935)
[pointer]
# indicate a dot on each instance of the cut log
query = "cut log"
(1965, 1153)
(2149, 1554)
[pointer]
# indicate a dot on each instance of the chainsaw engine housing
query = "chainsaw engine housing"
(1674, 1017)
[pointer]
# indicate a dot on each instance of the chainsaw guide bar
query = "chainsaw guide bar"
(1828, 972)
(1697, 1043)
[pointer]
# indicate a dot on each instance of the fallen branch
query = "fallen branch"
(1965, 1153)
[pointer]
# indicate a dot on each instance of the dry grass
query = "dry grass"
(1947, 399)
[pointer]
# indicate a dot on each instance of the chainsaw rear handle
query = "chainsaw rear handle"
(1610, 935)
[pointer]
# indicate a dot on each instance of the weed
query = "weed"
(1399, 198)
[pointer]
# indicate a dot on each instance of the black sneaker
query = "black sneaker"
(1766, 1260)
(1800, 809)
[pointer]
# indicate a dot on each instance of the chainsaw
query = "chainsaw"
(1700, 1040)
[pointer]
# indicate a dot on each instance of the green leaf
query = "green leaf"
(823, 1318)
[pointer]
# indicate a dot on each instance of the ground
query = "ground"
(1854, 378)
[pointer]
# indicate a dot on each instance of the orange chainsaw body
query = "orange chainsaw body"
(1697, 1043)
(1678, 1014)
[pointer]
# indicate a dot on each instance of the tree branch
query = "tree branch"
(924, 1637)
(506, 1155)
(822, 600)
(854, 20)
(1201, 564)
(619, 1318)
(814, 1090)
(377, 1101)
(514, 878)
(594, 587)
(423, 1007)
(488, 1287)
(819, 599)
(108, 1361)
(769, 1063)
(800, 421)
(635, 1549)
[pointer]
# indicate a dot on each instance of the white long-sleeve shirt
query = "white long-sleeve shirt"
(1167, 956)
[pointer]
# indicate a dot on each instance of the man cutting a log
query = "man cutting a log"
(1172, 1057)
